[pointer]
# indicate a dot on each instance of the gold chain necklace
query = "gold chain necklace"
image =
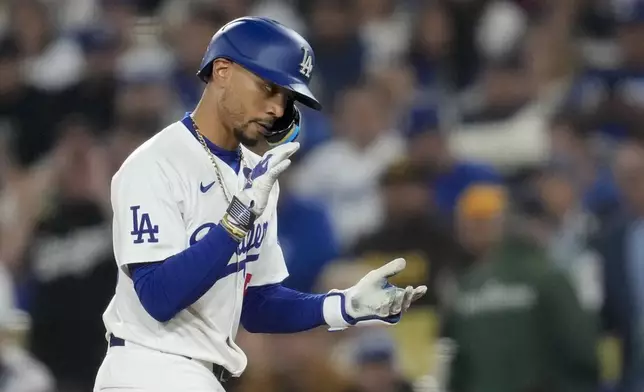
(214, 162)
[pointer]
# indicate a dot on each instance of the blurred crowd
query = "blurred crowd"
(495, 144)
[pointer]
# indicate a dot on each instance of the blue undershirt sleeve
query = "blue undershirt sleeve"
(274, 308)
(165, 288)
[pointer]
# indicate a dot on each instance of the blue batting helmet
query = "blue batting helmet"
(268, 49)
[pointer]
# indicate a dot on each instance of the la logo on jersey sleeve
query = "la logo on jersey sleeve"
(142, 228)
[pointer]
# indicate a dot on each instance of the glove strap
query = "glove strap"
(238, 219)
(334, 311)
(335, 314)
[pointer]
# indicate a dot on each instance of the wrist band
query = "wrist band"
(238, 219)
(235, 231)
(241, 214)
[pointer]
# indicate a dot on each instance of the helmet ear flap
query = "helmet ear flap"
(286, 128)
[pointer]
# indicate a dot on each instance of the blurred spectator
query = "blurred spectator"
(339, 51)
(68, 263)
(19, 371)
(25, 111)
(51, 61)
(385, 30)
(343, 173)
(611, 97)
(410, 229)
(144, 101)
(502, 85)
(233, 9)
(120, 16)
(623, 257)
(515, 319)
(147, 7)
(574, 151)
(316, 130)
(77, 14)
(550, 57)
(447, 175)
(306, 237)
(597, 24)
(398, 85)
(431, 47)
(571, 230)
(466, 58)
(376, 363)
(282, 11)
(144, 69)
(189, 41)
(94, 95)
(500, 30)
(526, 58)
(504, 89)
(529, 58)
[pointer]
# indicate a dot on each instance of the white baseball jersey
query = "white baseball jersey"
(166, 197)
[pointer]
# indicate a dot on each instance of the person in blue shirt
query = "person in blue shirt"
(308, 251)
(572, 150)
(449, 176)
(622, 249)
(611, 97)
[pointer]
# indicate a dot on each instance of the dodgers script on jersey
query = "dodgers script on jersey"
(165, 198)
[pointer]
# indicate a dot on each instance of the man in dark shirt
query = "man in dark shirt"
(25, 112)
(409, 230)
(515, 319)
(71, 267)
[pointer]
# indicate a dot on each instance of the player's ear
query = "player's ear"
(221, 69)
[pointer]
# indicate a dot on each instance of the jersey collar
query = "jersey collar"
(225, 155)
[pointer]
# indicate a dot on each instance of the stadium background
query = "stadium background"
(429, 105)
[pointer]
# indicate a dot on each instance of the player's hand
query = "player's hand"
(250, 201)
(261, 179)
(371, 300)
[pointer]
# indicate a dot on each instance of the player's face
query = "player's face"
(252, 105)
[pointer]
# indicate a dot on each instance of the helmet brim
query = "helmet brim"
(301, 91)
(304, 95)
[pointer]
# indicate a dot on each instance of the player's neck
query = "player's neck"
(211, 128)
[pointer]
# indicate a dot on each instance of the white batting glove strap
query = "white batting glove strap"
(372, 300)
(332, 311)
(261, 179)
(338, 319)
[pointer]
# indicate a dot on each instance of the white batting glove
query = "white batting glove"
(372, 300)
(250, 201)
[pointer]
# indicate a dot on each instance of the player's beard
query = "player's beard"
(233, 110)
(240, 135)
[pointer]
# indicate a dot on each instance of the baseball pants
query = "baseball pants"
(132, 368)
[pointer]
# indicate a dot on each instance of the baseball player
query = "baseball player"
(195, 232)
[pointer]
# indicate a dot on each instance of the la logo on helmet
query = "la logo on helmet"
(306, 66)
